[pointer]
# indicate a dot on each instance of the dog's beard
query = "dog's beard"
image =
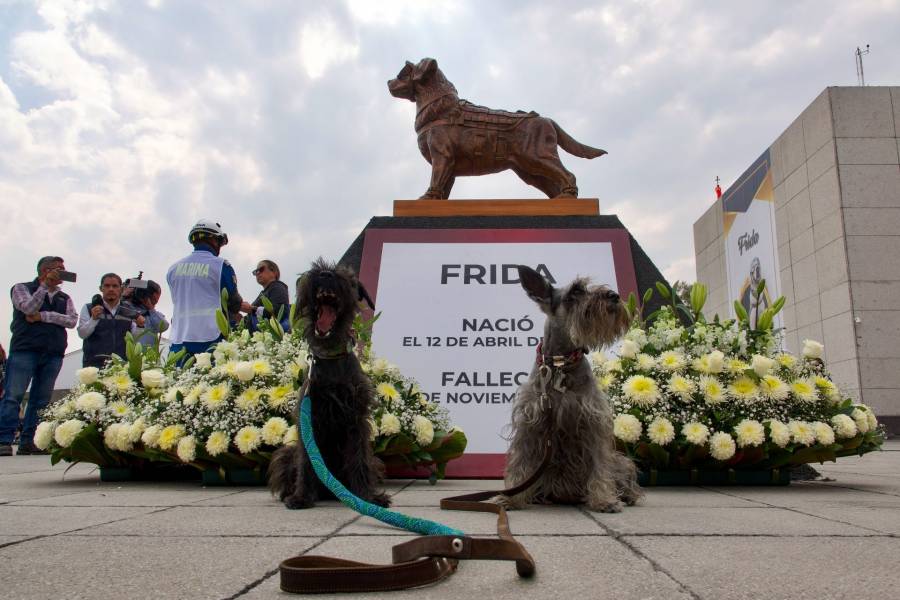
(596, 322)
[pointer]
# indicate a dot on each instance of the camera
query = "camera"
(66, 276)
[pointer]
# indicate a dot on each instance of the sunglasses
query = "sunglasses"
(259, 270)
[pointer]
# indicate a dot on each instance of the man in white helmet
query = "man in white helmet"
(196, 283)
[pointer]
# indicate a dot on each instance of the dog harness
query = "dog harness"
(420, 561)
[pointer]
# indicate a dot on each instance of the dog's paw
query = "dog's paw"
(606, 507)
(506, 502)
(382, 500)
(298, 502)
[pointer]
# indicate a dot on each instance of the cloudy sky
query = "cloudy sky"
(122, 123)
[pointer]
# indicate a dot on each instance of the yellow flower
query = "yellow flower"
(641, 390)
(828, 388)
(387, 391)
(735, 365)
(713, 362)
(217, 443)
(604, 382)
(804, 390)
(248, 398)
(750, 433)
(194, 394)
(169, 436)
(743, 388)
(773, 388)
(661, 431)
(216, 396)
(712, 389)
(390, 424)
(273, 431)
(279, 395)
(802, 432)
(681, 386)
(671, 360)
(296, 368)
(247, 439)
(118, 382)
(262, 367)
(695, 433)
(786, 360)
(119, 408)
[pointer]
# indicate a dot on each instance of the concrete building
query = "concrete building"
(835, 173)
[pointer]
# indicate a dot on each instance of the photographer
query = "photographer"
(142, 296)
(104, 322)
(41, 314)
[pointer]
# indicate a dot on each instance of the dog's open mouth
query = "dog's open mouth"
(326, 312)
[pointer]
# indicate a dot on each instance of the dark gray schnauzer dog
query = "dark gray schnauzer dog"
(561, 403)
(328, 298)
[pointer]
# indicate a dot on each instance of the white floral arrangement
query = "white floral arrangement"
(692, 394)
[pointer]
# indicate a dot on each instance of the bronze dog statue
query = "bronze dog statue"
(459, 138)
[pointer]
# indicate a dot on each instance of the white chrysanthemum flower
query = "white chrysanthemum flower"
(827, 387)
(681, 386)
(65, 410)
(110, 436)
(714, 362)
(390, 424)
(614, 366)
(843, 426)
(641, 390)
(824, 433)
(90, 401)
(672, 360)
(597, 358)
(187, 448)
(169, 436)
(812, 349)
(627, 428)
(194, 394)
(123, 437)
(273, 430)
(153, 378)
(65, 433)
(243, 370)
(387, 391)
(661, 431)
(761, 364)
(215, 397)
(735, 366)
(779, 433)
(247, 439)
(773, 388)
(43, 435)
(249, 398)
(424, 430)
(380, 366)
(119, 383)
(373, 429)
(150, 437)
(861, 420)
(87, 375)
(873, 420)
(279, 395)
(604, 381)
(712, 390)
(229, 368)
(292, 436)
(203, 360)
(171, 394)
(629, 349)
(802, 433)
(804, 390)
(750, 432)
(217, 443)
(695, 433)
(119, 409)
(261, 367)
(637, 335)
(296, 367)
(788, 361)
(721, 446)
(136, 430)
(743, 389)
(645, 362)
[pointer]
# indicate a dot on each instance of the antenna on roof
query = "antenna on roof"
(860, 75)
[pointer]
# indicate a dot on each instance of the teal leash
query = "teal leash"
(348, 498)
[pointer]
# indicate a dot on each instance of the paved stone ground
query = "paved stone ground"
(67, 535)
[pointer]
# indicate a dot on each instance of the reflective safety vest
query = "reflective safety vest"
(195, 282)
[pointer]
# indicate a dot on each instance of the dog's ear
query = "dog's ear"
(364, 295)
(534, 284)
(406, 71)
(424, 69)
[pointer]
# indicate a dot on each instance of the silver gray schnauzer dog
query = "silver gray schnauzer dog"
(560, 407)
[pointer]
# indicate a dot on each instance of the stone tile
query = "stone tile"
(796, 182)
(872, 221)
(708, 227)
(876, 295)
(789, 317)
(799, 214)
(810, 332)
(145, 495)
(817, 127)
(862, 112)
(835, 300)
(802, 245)
(9, 539)
(231, 520)
(862, 249)
(777, 163)
(845, 374)
(821, 161)
(884, 401)
(780, 194)
(895, 101)
(45, 520)
(831, 265)
(806, 281)
(533, 520)
(749, 567)
(870, 185)
(828, 229)
(824, 195)
(707, 256)
(722, 521)
(85, 567)
(808, 311)
(880, 372)
(803, 495)
(784, 255)
(782, 227)
(839, 337)
(791, 341)
(878, 333)
(867, 151)
(793, 149)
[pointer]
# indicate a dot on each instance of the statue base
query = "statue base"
(556, 207)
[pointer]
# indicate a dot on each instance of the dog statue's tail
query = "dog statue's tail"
(282, 472)
(573, 147)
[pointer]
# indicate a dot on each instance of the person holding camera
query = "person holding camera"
(142, 296)
(104, 322)
(268, 275)
(196, 283)
(41, 314)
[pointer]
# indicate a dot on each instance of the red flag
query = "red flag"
(718, 192)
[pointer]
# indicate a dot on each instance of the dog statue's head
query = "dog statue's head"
(579, 315)
(412, 81)
(328, 297)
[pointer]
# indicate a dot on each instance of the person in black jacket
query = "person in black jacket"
(104, 322)
(269, 277)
